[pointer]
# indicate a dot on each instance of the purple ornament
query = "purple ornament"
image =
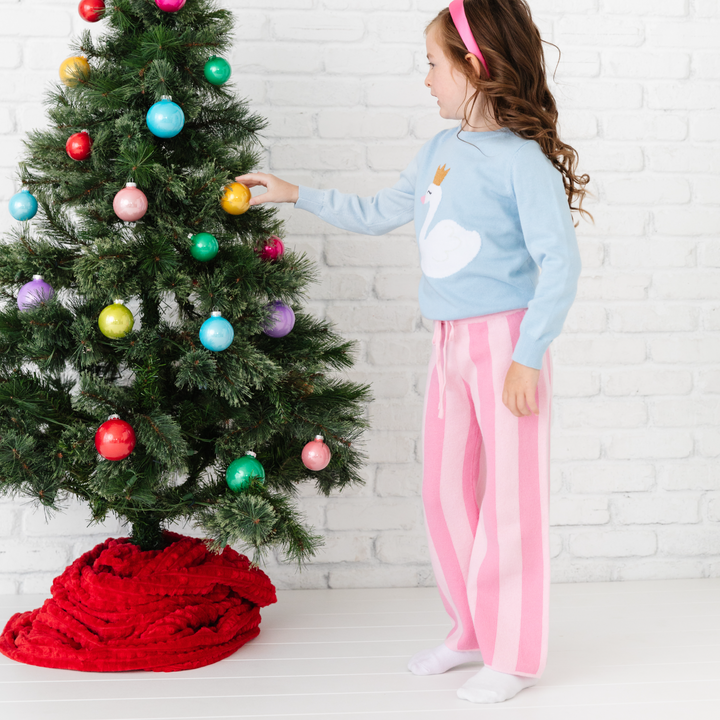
(281, 321)
(33, 293)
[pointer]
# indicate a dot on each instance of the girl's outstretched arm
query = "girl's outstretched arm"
(278, 191)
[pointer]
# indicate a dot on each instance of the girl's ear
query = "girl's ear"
(474, 62)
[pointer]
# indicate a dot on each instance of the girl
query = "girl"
(492, 205)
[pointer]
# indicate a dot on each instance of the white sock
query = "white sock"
(440, 659)
(490, 686)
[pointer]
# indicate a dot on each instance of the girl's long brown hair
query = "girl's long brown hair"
(516, 92)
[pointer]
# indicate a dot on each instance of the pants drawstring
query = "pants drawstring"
(444, 333)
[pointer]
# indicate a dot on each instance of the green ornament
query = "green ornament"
(204, 247)
(241, 471)
(217, 70)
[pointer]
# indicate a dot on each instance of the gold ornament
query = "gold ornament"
(236, 200)
(116, 320)
(74, 68)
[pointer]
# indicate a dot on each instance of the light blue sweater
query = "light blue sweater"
(490, 212)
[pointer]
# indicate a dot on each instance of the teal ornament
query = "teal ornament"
(216, 333)
(165, 118)
(241, 472)
(23, 205)
(204, 247)
(217, 70)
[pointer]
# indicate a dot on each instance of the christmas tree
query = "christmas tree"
(112, 293)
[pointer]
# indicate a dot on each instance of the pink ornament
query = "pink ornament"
(170, 5)
(130, 204)
(272, 249)
(316, 454)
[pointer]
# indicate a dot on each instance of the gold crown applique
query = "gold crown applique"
(441, 174)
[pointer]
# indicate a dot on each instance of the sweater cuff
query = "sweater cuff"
(310, 199)
(529, 352)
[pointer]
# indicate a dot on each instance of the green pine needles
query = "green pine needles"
(193, 411)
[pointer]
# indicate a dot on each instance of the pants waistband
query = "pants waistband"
(444, 333)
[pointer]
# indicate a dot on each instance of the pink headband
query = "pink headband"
(457, 13)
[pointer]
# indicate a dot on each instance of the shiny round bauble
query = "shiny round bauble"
(241, 472)
(216, 333)
(73, 70)
(116, 320)
(316, 454)
(79, 146)
(33, 293)
(236, 199)
(170, 5)
(165, 118)
(23, 205)
(91, 10)
(281, 320)
(130, 204)
(217, 70)
(115, 439)
(272, 249)
(204, 247)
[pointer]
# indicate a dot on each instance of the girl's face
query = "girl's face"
(449, 86)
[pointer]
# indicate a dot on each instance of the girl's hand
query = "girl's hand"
(278, 191)
(520, 390)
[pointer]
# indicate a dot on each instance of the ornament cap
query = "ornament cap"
(118, 301)
(37, 277)
(319, 437)
(165, 97)
(113, 417)
(131, 184)
(215, 313)
(251, 453)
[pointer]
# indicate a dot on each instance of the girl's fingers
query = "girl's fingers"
(251, 180)
(531, 402)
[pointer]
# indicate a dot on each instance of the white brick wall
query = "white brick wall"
(636, 475)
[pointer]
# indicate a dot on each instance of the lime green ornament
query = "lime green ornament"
(217, 70)
(116, 320)
(241, 471)
(204, 246)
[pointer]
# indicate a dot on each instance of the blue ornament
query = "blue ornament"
(216, 333)
(23, 205)
(165, 118)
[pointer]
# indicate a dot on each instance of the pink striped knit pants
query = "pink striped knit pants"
(485, 493)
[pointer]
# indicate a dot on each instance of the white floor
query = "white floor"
(618, 651)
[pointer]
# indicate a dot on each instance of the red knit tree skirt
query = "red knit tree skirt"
(121, 608)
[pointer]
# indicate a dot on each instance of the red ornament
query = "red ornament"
(272, 249)
(115, 439)
(79, 146)
(316, 454)
(91, 10)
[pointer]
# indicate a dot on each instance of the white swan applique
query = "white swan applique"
(449, 247)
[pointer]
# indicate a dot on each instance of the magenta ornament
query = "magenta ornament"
(33, 293)
(170, 5)
(130, 204)
(316, 454)
(281, 320)
(272, 249)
